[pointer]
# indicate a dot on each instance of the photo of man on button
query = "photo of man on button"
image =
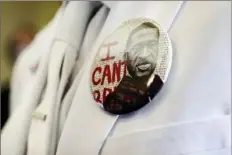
(141, 85)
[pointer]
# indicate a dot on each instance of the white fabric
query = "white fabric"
(29, 58)
(175, 139)
(44, 128)
(190, 116)
(192, 92)
(198, 86)
(91, 34)
(83, 104)
(66, 45)
(26, 90)
(31, 87)
(109, 4)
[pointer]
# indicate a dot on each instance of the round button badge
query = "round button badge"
(131, 66)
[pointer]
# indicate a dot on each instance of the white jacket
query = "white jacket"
(190, 116)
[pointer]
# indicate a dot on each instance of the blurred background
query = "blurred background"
(21, 16)
(20, 21)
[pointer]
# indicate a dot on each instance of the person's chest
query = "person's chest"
(190, 100)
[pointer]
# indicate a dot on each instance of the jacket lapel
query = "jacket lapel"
(27, 96)
(87, 125)
(63, 55)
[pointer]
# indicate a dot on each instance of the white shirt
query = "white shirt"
(191, 114)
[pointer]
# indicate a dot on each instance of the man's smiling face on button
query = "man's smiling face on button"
(142, 50)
